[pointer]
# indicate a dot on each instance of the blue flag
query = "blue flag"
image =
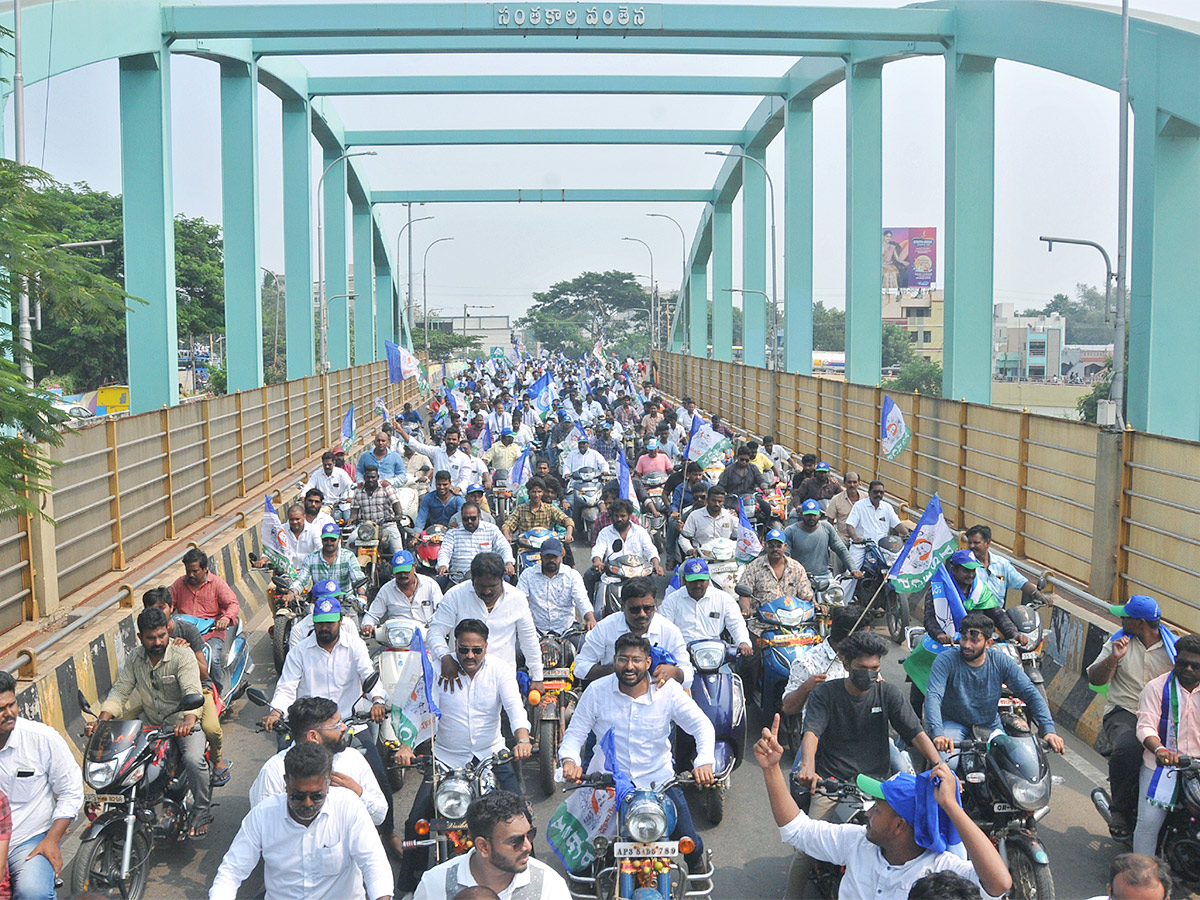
(947, 600)
(450, 401)
(622, 782)
(542, 394)
(418, 646)
(624, 477)
(348, 427)
(697, 424)
(521, 469)
(486, 437)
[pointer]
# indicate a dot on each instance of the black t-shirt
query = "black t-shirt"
(853, 731)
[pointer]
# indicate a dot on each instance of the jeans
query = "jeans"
(31, 879)
(1150, 818)
(216, 647)
(956, 733)
(1125, 761)
(684, 825)
(192, 749)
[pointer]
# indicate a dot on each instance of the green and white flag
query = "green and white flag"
(707, 445)
(893, 433)
(929, 545)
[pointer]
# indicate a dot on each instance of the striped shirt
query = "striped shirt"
(460, 546)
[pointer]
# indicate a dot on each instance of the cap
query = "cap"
(402, 561)
(911, 798)
(583, 439)
(505, 431)
(775, 535)
(330, 529)
(964, 558)
(474, 489)
(328, 609)
(1139, 607)
(326, 588)
(695, 570)
(810, 508)
(339, 449)
(606, 426)
(822, 467)
(652, 444)
(552, 547)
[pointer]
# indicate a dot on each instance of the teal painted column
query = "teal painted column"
(698, 309)
(722, 281)
(967, 263)
(149, 231)
(385, 309)
(297, 238)
(798, 237)
(754, 260)
(337, 333)
(1165, 317)
(364, 283)
(864, 222)
(679, 326)
(239, 204)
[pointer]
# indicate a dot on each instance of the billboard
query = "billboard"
(909, 258)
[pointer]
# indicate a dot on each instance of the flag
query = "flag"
(893, 433)
(624, 477)
(707, 445)
(414, 712)
(521, 469)
(273, 536)
(381, 407)
(930, 543)
(697, 424)
(588, 812)
(401, 364)
(748, 544)
(451, 400)
(598, 350)
(348, 427)
(486, 437)
(542, 394)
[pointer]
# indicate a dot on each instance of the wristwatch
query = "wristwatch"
(524, 741)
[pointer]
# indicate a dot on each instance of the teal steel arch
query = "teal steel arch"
(252, 45)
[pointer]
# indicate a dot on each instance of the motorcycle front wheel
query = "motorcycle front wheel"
(279, 642)
(897, 615)
(714, 805)
(1031, 881)
(547, 754)
(98, 866)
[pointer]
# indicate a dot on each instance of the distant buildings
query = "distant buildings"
(1027, 348)
(920, 312)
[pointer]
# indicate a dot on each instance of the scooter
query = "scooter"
(655, 508)
(618, 570)
(235, 660)
(429, 544)
(550, 713)
(529, 547)
(394, 638)
(719, 694)
(723, 566)
(584, 492)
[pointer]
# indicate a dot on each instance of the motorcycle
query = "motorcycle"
(719, 694)
(640, 861)
(550, 714)
(778, 499)
(618, 570)
(286, 609)
(655, 508)
(235, 662)
(529, 547)
(584, 491)
(877, 562)
(502, 495)
(723, 566)
(374, 550)
(1029, 623)
(429, 543)
(142, 794)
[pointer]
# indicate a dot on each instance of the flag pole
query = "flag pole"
(866, 610)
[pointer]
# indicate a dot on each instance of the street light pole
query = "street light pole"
(24, 332)
(683, 277)
(321, 247)
(425, 288)
(1117, 391)
(653, 290)
(407, 226)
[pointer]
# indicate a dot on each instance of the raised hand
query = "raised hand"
(767, 750)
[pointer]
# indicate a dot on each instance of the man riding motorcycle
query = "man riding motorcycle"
(376, 501)
(811, 540)
(408, 595)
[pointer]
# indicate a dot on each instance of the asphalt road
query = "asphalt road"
(750, 860)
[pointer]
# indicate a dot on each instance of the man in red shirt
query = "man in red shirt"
(201, 594)
(653, 460)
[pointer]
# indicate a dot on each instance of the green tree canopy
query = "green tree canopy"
(829, 327)
(920, 375)
(897, 346)
(572, 315)
(1084, 315)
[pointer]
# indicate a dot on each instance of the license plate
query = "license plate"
(108, 799)
(1004, 808)
(1028, 656)
(557, 673)
(657, 849)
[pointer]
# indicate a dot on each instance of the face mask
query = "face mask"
(862, 679)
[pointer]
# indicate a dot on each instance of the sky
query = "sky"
(1056, 166)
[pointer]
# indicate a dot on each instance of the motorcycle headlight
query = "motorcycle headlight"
(708, 656)
(1030, 795)
(452, 799)
(100, 774)
(646, 822)
(399, 635)
(365, 532)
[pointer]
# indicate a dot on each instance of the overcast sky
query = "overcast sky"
(1056, 166)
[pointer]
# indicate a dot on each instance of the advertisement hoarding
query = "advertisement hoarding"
(909, 259)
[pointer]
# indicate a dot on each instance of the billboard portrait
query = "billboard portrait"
(909, 258)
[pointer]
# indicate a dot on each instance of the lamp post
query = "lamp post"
(425, 288)
(325, 318)
(321, 245)
(683, 277)
(774, 298)
(653, 288)
(407, 226)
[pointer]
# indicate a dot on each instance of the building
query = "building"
(1027, 348)
(920, 312)
(1081, 363)
(492, 331)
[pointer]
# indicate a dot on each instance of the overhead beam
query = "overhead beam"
(400, 85)
(538, 195)
(554, 43)
(507, 136)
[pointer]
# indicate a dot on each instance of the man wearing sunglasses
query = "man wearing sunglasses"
(501, 861)
(469, 729)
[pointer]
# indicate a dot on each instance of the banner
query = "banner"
(748, 544)
(893, 433)
(706, 446)
(929, 545)
(909, 258)
(414, 712)
(348, 428)
(588, 812)
(273, 536)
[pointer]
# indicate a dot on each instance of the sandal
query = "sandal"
(220, 777)
(199, 829)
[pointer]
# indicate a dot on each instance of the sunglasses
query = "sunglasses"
(470, 651)
(517, 841)
(301, 796)
(649, 608)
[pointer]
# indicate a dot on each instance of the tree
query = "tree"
(920, 375)
(897, 346)
(1084, 315)
(573, 315)
(445, 346)
(829, 327)
(1101, 390)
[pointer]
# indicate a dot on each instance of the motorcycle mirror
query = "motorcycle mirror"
(257, 697)
(361, 582)
(253, 557)
(189, 701)
(371, 681)
(1043, 583)
(743, 591)
(83, 702)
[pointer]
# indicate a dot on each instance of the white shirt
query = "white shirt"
(509, 622)
(868, 874)
(350, 763)
(637, 540)
(40, 777)
(870, 523)
(329, 860)
(554, 602)
(320, 520)
(392, 603)
(523, 434)
(452, 463)
(701, 527)
(472, 471)
(470, 724)
(497, 422)
(299, 546)
(433, 882)
(642, 728)
(460, 546)
(597, 649)
(311, 671)
(576, 461)
(336, 487)
(707, 617)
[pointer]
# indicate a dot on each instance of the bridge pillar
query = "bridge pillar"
(1164, 316)
(337, 314)
(970, 227)
(239, 204)
(297, 238)
(722, 281)
(864, 221)
(385, 308)
(149, 230)
(364, 283)
(697, 300)
(754, 259)
(798, 236)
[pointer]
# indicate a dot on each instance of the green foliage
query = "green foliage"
(199, 277)
(1087, 404)
(217, 376)
(920, 375)
(1084, 315)
(274, 319)
(572, 315)
(829, 327)
(897, 346)
(445, 346)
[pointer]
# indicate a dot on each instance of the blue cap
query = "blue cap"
(552, 547)
(695, 570)
(1139, 607)
(474, 489)
(328, 609)
(652, 444)
(328, 588)
(331, 529)
(402, 561)
(964, 558)
(911, 798)
(505, 431)
(822, 467)
(775, 535)
(810, 508)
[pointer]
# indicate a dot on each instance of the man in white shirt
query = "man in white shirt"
(334, 483)
(501, 863)
(44, 786)
(638, 616)
(702, 611)
(638, 712)
(408, 595)
(498, 419)
(714, 521)
(299, 538)
(316, 840)
(522, 433)
(872, 519)
(468, 730)
(883, 858)
(634, 539)
(582, 457)
(449, 458)
(556, 595)
(503, 608)
(461, 545)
